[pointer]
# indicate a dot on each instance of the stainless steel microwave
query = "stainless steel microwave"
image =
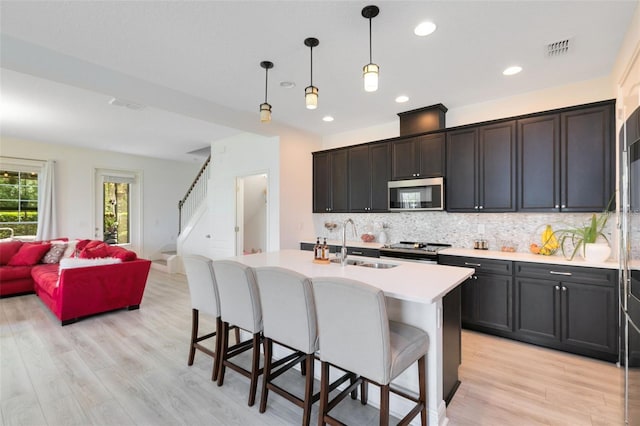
(416, 194)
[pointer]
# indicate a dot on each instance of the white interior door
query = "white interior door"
(252, 201)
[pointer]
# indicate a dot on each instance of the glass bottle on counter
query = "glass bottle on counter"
(317, 249)
(325, 250)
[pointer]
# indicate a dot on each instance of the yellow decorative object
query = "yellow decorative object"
(548, 244)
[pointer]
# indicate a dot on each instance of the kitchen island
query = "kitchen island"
(415, 293)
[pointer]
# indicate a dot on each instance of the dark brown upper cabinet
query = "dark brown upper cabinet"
(481, 168)
(539, 163)
(330, 177)
(566, 161)
(418, 157)
(369, 171)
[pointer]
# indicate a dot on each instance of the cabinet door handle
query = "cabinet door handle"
(564, 206)
(557, 206)
(356, 252)
(557, 287)
(568, 274)
(481, 207)
(564, 288)
(472, 264)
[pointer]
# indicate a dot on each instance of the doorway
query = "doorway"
(252, 201)
(117, 206)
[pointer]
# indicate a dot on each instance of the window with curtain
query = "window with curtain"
(18, 202)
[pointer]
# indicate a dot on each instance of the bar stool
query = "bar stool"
(239, 305)
(289, 318)
(356, 335)
(204, 298)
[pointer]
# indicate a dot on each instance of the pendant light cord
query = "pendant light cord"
(311, 47)
(266, 81)
(370, 55)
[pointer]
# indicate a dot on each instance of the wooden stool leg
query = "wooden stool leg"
(364, 392)
(308, 390)
(218, 350)
(384, 405)
(268, 346)
(324, 393)
(237, 333)
(422, 382)
(224, 347)
(354, 393)
(194, 335)
(255, 367)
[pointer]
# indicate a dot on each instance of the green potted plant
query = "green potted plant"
(586, 237)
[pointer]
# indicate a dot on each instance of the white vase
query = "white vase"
(382, 237)
(596, 252)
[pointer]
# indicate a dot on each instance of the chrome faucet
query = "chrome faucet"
(343, 251)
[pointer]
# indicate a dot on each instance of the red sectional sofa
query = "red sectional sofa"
(82, 290)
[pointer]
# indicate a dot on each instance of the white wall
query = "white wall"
(287, 161)
(555, 97)
(296, 187)
(242, 155)
(164, 184)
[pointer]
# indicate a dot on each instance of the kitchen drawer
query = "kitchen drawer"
(566, 273)
(306, 246)
(358, 251)
(481, 265)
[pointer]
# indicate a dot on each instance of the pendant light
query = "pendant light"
(370, 71)
(311, 92)
(265, 108)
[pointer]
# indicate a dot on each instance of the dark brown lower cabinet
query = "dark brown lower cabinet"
(487, 296)
(569, 308)
(573, 309)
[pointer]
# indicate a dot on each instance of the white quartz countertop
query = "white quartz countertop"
(529, 257)
(416, 282)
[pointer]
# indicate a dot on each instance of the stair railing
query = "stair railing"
(195, 195)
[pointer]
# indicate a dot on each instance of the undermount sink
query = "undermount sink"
(365, 264)
(378, 265)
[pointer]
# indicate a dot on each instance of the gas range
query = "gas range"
(410, 250)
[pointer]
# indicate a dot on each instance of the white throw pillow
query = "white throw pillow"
(71, 249)
(76, 262)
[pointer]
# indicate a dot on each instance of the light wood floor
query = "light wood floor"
(130, 368)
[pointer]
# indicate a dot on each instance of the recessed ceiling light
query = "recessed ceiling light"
(327, 118)
(287, 84)
(424, 29)
(512, 70)
(402, 99)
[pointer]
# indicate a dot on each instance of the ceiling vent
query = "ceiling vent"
(559, 48)
(126, 104)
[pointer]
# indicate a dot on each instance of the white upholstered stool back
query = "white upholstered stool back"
(239, 295)
(202, 285)
(204, 298)
(353, 327)
(356, 335)
(288, 308)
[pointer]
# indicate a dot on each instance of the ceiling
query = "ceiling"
(194, 65)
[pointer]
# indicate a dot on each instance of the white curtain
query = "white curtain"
(47, 222)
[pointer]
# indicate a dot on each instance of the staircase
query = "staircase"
(168, 262)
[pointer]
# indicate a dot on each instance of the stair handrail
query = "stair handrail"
(181, 203)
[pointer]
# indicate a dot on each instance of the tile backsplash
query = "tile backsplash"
(458, 229)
